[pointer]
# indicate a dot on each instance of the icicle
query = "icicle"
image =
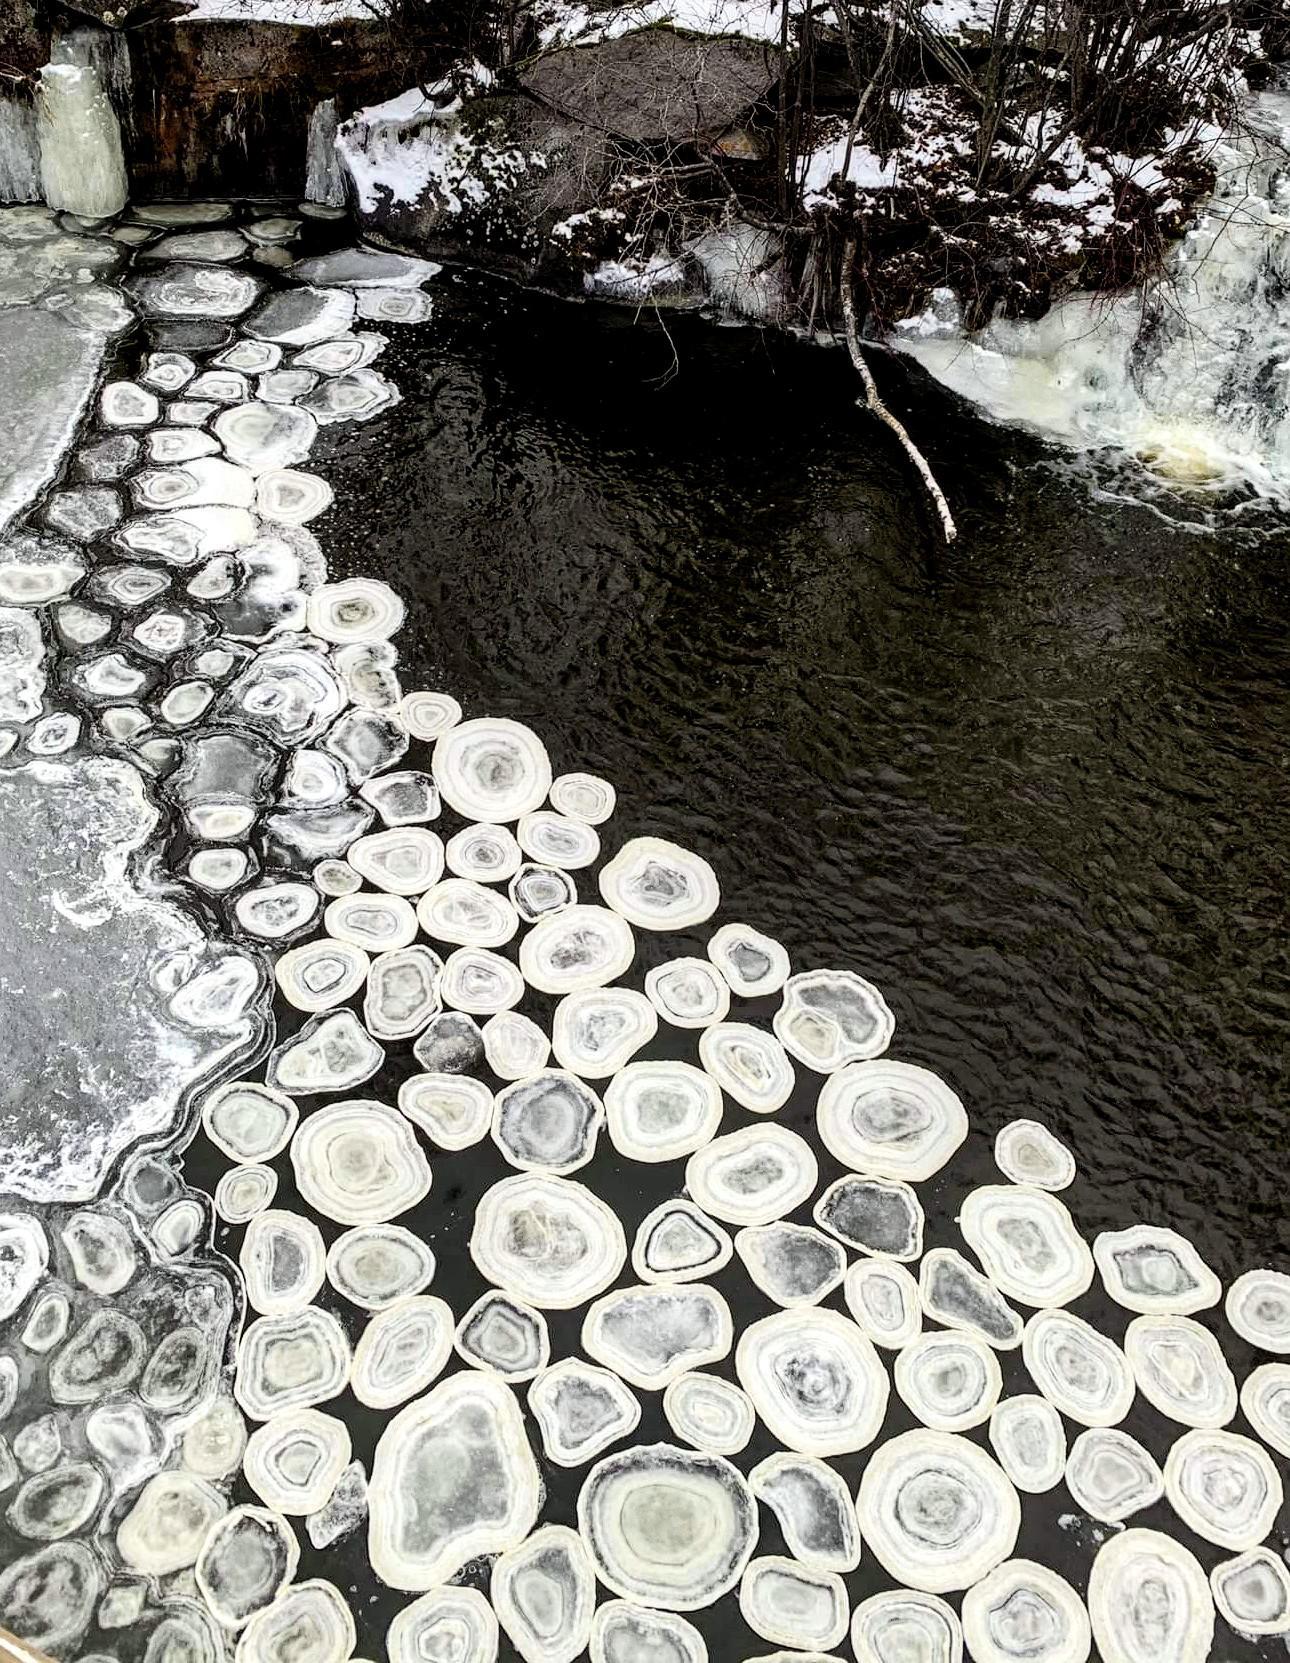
(19, 152)
(82, 166)
(324, 179)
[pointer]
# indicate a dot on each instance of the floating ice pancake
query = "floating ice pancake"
(951, 1382)
(749, 1064)
(596, 1031)
(752, 963)
(1148, 1599)
(358, 609)
(491, 769)
(814, 1508)
(293, 1461)
(451, 1043)
(195, 291)
(1150, 1269)
(659, 886)
(1027, 1243)
(247, 1560)
(467, 914)
(480, 982)
(544, 1593)
(1224, 1487)
(290, 1362)
(1265, 1401)
(406, 798)
(792, 1604)
(547, 1240)
(24, 1257)
(581, 1410)
(504, 1336)
(170, 1519)
(107, 1352)
(669, 1527)
(829, 1018)
(447, 1625)
(486, 853)
(213, 1443)
(660, 1111)
(401, 1351)
(453, 1478)
(453, 1110)
(548, 1122)
(339, 356)
(1258, 1308)
(49, 1596)
(1252, 1592)
(514, 1046)
(427, 715)
(791, 1263)
(321, 974)
(168, 371)
(402, 992)
(287, 496)
(356, 396)
(126, 404)
(57, 1502)
(364, 268)
(939, 1514)
(1181, 1370)
(102, 1253)
(584, 797)
(359, 1163)
(1079, 1371)
(377, 923)
(752, 1176)
(1111, 1476)
(274, 911)
(625, 1633)
(883, 1299)
(678, 1242)
(283, 1262)
(244, 1191)
(206, 482)
(881, 1216)
(249, 1122)
(405, 860)
(556, 841)
(248, 357)
(36, 570)
(285, 386)
(1029, 1442)
(580, 948)
(168, 445)
(1024, 1613)
(710, 1413)
(287, 695)
(688, 993)
(263, 437)
(333, 1052)
(815, 1380)
(377, 1265)
(336, 878)
(955, 1293)
(301, 317)
(650, 1335)
(310, 1619)
(395, 305)
(890, 1119)
(537, 890)
(901, 1627)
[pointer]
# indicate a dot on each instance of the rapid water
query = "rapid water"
(1190, 377)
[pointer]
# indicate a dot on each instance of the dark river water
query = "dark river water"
(1033, 786)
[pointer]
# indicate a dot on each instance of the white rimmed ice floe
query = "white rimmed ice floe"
(212, 1444)
(1029, 1442)
(332, 1052)
(660, 1111)
(1111, 1476)
(377, 1265)
(658, 885)
(653, 1333)
(322, 974)
(596, 1031)
(579, 948)
(56, 1502)
(814, 1508)
(678, 1242)
(622, 1632)
(247, 1560)
(939, 1514)
(1024, 1613)
(1027, 1243)
(829, 1018)
(752, 963)
(1079, 1371)
(581, 1410)
(357, 609)
(668, 1527)
(287, 496)
(302, 317)
(484, 852)
(902, 1627)
(290, 1362)
(101, 1250)
(957, 1294)
(274, 911)
(403, 798)
(455, 1625)
(249, 1122)
(453, 1110)
(544, 1593)
(584, 797)
(547, 1122)
(170, 1519)
(335, 878)
(814, 1379)
(536, 890)
(1028, 1153)
(262, 437)
(890, 1119)
(426, 715)
(881, 1216)
(1265, 1402)
(791, 1263)
(1252, 1592)
(1181, 1371)
(1223, 1486)
(1148, 1598)
(557, 841)
(403, 860)
(376, 923)
(358, 1162)
(547, 1240)
(795, 1605)
(480, 982)
(514, 1046)
(451, 1043)
(688, 992)
(1156, 1271)
(491, 769)
(292, 1462)
(1258, 1308)
(749, 1064)
(709, 1413)
(951, 1382)
(882, 1297)
(126, 404)
(402, 992)
(467, 914)
(401, 1351)
(309, 1619)
(453, 1478)
(752, 1176)
(283, 1262)
(505, 1336)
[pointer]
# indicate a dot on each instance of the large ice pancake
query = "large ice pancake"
(48, 372)
(151, 1008)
